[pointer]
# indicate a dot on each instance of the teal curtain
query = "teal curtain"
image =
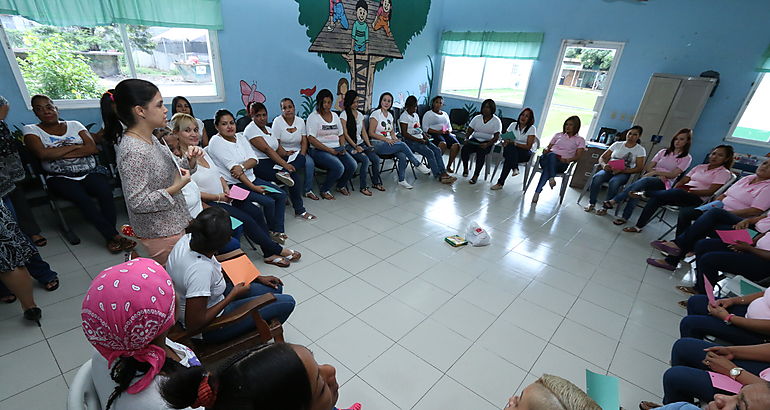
(206, 14)
(522, 46)
(764, 64)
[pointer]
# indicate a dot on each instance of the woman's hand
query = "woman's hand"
(184, 178)
(290, 168)
(743, 224)
(650, 174)
(358, 149)
(236, 171)
(270, 281)
(238, 290)
(194, 151)
(726, 302)
(719, 364)
(607, 168)
(290, 153)
(258, 189)
(717, 311)
(723, 351)
(740, 246)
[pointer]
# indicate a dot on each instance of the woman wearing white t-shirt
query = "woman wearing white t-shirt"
(291, 133)
(631, 154)
(418, 141)
(383, 133)
(483, 132)
(436, 123)
(324, 132)
(519, 149)
(363, 151)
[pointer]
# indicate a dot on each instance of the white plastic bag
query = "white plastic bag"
(476, 235)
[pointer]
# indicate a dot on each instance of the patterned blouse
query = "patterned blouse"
(11, 168)
(146, 171)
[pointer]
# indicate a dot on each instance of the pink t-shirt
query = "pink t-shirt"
(565, 146)
(701, 177)
(763, 226)
(741, 195)
(760, 307)
(668, 163)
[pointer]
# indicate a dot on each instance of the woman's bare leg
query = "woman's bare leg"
(20, 283)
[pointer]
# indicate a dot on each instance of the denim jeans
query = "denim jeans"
(253, 225)
(402, 153)
(688, 378)
(309, 173)
(614, 182)
(513, 156)
(550, 165)
(280, 309)
(698, 324)
(369, 162)
(104, 217)
(646, 184)
(714, 256)
(432, 153)
(273, 204)
(673, 196)
(339, 168)
(265, 170)
(703, 227)
(473, 146)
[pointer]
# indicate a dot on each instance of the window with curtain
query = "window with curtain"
(485, 65)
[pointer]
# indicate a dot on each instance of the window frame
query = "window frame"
(481, 81)
(729, 137)
(216, 69)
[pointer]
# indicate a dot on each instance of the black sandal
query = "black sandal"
(52, 285)
(40, 241)
(8, 298)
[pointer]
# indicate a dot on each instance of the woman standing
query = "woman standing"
(565, 147)
(381, 129)
(483, 132)
(324, 131)
(181, 105)
(418, 141)
(438, 126)
(519, 149)
(152, 180)
(363, 151)
(290, 131)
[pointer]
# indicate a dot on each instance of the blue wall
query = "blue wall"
(678, 37)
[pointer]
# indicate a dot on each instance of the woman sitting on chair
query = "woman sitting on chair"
(439, 127)
(518, 149)
(632, 156)
(203, 291)
(363, 151)
(565, 147)
(182, 105)
(660, 173)
(483, 133)
(418, 141)
(291, 133)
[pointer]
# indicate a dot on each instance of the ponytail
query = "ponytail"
(350, 98)
(126, 95)
(181, 391)
(126, 369)
(210, 230)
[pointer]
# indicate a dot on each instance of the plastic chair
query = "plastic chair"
(565, 177)
(587, 186)
(82, 394)
(528, 164)
(211, 129)
(240, 124)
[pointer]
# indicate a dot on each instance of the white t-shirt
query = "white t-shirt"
(359, 125)
(192, 197)
(253, 131)
(71, 137)
(412, 122)
(290, 136)
(148, 398)
(327, 133)
(384, 122)
(226, 155)
(485, 131)
(629, 155)
(431, 120)
(207, 179)
(519, 135)
(194, 275)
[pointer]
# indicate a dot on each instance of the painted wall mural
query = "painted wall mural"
(249, 94)
(361, 37)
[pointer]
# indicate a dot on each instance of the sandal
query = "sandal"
(602, 212)
(687, 290)
(327, 195)
(447, 179)
(277, 238)
(114, 246)
(366, 191)
(8, 298)
(278, 261)
(632, 229)
(127, 244)
(663, 246)
(589, 208)
(682, 304)
(39, 241)
(379, 187)
(343, 191)
(473, 180)
(52, 285)
(647, 405)
(312, 195)
(306, 215)
(465, 174)
(619, 221)
(295, 255)
(608, 204)
(660, 263)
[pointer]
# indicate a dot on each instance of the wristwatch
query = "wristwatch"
(735, 372)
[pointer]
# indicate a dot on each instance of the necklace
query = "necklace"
(140, 137)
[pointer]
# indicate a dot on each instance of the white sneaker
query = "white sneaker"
(422, 168)
(405, 184)
(284, 177)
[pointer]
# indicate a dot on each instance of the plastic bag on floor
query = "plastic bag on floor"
(476, 235)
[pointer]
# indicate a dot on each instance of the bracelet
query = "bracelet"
(728, 318)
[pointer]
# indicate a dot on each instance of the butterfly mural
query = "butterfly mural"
(249, 93)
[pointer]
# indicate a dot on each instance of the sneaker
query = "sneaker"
(422, 168)
(284, 177)
(405, 184)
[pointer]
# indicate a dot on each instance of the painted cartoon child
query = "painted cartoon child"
(384, 13)
(342, 87)
(337, 14)
(360, 31)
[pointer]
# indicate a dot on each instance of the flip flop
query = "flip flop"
(658, 264)
(40, 241)
(632, 229)
(278, 261)
(127, 244)
(602, 212)
(312, 195)
(687, 290)
(8, 299)
(379, 187)
(366, 192)
(343, 191)
(114, 246)
(619, 221)
(661, 246)
(327, 195)
(295, 255)
(608, 205)
(52, 285)
(306, 215)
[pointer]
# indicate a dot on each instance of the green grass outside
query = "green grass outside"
(751, 134)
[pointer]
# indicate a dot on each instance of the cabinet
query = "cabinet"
(585, 165)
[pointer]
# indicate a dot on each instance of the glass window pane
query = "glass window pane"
(177, 60)
(462, 76)
(753, 124)
(505, 80)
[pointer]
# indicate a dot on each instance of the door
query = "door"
(580, 83)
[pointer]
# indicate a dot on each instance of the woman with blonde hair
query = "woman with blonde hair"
(551, 392)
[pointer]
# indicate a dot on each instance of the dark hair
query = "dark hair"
(729, 151)
(37, 97)
(319, 98)
(271, 376)
(574, 119)
(362, 4)
(686, 149)
(255, 107)
(491, 103)
(383, 95)
(635, 127)
(411, 101)
(433, 100)
(127, 95)
(525, 127)
(390, 13)
(284, 99)
(176, 100)
(350, 123)
(126, 369)
(221, 113)
(211, 230)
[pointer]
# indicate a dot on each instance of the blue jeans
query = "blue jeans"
(703, 227)
(646, 184)
(550, 165)
(265, 170)
(339, 168)
(614, 182)
(280, 309)
(253, 225)
(273, 204)
(309, 173)
(432, 153)
(698, 324)
(339, 15)
(513, 156)
(366, 158)
(103, 217)
(402, 153)
(657, 199)
(688, 379)
(714, 256)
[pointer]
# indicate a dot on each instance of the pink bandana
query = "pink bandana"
(125, 308)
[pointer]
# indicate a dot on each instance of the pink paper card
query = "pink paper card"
(709, 291)
(238, 193)
(722, 382)
(617, 164)
(733, 236)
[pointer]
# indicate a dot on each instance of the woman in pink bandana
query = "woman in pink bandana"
(127, 312)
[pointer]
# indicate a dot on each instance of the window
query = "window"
(501, 79)
(75, 65)
(751, 125)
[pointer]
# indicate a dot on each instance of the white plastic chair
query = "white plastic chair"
(565, 177)
(528, 164)
(82, 394)
(631, 180)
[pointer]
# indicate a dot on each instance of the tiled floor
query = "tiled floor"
(410, 322)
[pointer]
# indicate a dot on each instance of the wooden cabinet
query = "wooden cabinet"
(585, 165)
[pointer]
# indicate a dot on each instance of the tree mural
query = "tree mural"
(362, 40)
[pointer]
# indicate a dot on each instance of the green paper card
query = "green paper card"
(605, 390)
(270, 189)
(747, 288)
(508, 136)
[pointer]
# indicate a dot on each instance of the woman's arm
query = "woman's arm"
(528, 145)
(303, 145)
(260, 144)
(87, 148)
(197, 316)
(319, 145)
(760, 352)
(682, 182)
(345, 135)
(668, 175)
(35, 145)
(577, 156)
(637, 168)
(136, 175)
(405, 132)
(754, 325)
(365, 137)
(373, 130)
(604, 159)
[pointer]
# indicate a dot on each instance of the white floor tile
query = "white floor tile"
(422, 296)
(354, 233)
(639, 369)
(448, 394)
(71, 349)
(656, 318)
(487, 296)
(558, 361)
(648, 340)
(358, 391)
(16, 333)
(317, 317)
(631, 394)
(354, 295)
(487, 375)
(326, 245)
(562, 280)
(448, 277)
(435, 343)
(31, 366)
(532, 318)
(392, 317)
(355, 344)
(412, 260)
(512, 343)
(322, 275)
(353, 259)
(385, 276)
(61, 317)
(49, 395)
(548, 297)
(607, 298)
(585, 342)
(597, 318)
(381, 246)
(297, 288)
(401, 376)
(464, 318)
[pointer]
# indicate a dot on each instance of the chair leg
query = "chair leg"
(248, 240)
(563, 189)
(670, 228)
(532, 173)
(69, 235)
